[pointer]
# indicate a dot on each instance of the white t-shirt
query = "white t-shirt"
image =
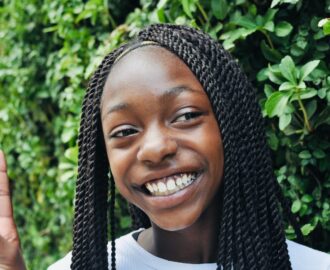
(130, 256)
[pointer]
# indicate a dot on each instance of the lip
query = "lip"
(166, 173)
(169, 201)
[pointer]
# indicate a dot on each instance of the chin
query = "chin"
(173, 226)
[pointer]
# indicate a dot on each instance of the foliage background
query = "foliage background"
(50, 48)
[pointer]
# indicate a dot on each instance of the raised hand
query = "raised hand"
(10, 254)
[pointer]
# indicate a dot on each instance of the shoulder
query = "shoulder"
(128, 255)
(306, 258)
(62, 264)
(123, 245)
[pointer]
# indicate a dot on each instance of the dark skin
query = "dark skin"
(158, 121)
(11, 256)
(195, 244)
(154, 136)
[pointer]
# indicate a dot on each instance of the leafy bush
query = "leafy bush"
(50, 48)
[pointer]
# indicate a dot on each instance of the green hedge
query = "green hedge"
(49, 49)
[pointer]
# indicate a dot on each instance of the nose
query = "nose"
(156, 146)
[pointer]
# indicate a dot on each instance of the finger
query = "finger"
(6, 209)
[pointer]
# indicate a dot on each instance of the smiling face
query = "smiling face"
(162, 139)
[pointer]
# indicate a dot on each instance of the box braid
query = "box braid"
(251, 228)
(90, 220)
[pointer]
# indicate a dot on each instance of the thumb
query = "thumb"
(7, 225)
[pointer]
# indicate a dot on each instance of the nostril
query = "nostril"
(156, 151)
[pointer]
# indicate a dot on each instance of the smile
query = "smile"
(171, 184)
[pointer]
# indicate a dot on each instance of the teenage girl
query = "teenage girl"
(172, 121)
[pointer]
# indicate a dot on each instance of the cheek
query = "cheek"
(117, 166)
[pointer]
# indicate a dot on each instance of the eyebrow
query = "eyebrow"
(168, 94)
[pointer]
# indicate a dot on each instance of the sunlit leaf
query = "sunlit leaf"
(276, 103)
(308, 68)
(296, 206)
(283, 29)
(287, 68)
(219, 8)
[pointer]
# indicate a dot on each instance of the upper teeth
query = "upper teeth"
(171, 184)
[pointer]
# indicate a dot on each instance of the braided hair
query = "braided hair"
(251, 228)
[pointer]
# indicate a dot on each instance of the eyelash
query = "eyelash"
(191, 114)
(115, 135)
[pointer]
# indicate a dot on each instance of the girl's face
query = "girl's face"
(162, 139)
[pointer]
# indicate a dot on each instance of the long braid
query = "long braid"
(251, 228)
(139, 218)
(90, 223)
(208, 61)
(112, 225)
(78, 228)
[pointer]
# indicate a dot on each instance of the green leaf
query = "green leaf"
(262, 75)
(287, 68)
(274, 74)
(275, 3)
(125, 222)
(161, 4)
(296, 50)
(269, 16)
(296, 206)
(231, 36)
(325, 24)
(186, 7)
(283, 29)
(276, 103)
(285, 120)
(270, 54)
(326, 28)
(305, 154)
(294, 181)
(67, 135)
(161, 15)
(311, 108)
(286, 86)
(307, 229)
(72, 154)
(219, 8)
(269, 90)
(323, 117)
(307, 198)
(273, 141)
(319, 153)
(269, 26)
(308, 93)
(68, 175)
(246, 22)
(308, 68)
(322, 93)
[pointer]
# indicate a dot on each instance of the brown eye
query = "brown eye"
(123, 133)
(188, 116)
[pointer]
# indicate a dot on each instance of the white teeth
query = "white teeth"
(179, 181)
(155, 187)
(149, 187)
(185, 179)
(161, 187)
(170, 185)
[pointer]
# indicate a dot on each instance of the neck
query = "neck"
(196, 244)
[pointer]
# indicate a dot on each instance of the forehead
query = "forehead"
(151, 68)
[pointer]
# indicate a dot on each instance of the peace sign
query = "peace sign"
(10, 255)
